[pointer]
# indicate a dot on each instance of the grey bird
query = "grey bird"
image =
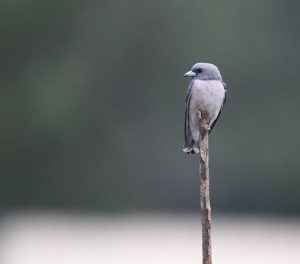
(206, 93)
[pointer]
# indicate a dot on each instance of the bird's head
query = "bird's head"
(204, 71)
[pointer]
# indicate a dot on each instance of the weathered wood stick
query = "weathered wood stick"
(204, 191)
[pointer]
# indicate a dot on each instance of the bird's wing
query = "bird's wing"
(187, 131)
(222, 106)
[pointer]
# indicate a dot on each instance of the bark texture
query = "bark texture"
(204, 191)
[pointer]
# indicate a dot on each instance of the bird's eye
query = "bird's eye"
(199, 70)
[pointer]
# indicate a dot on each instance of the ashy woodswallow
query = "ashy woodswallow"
(206, 93)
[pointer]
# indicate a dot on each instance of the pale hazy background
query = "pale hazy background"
(146, 238)
(92, 110)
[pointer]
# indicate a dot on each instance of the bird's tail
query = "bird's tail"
(191, 148)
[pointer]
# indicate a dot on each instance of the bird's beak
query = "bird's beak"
(190, 74)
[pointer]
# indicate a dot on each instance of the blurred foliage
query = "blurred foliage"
(92, 104)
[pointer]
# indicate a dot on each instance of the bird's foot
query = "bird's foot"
(199, 114)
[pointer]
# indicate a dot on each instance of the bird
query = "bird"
(206, 93)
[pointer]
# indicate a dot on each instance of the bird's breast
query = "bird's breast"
(207, 95)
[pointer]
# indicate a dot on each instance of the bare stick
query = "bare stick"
(204, 191)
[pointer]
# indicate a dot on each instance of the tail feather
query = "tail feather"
(191, 149)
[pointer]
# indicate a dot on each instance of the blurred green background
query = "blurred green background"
(92, 104)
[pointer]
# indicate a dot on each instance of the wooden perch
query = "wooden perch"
(204, 191)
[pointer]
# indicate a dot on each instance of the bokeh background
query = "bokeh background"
(92, 106)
